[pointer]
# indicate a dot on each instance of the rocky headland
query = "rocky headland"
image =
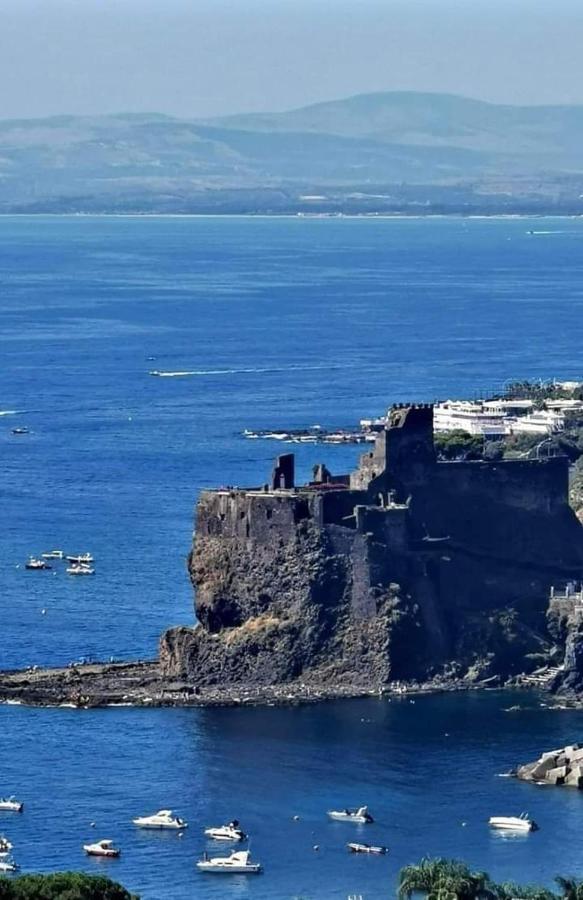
(408, 569)
(410, 573)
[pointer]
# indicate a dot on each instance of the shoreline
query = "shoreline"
(296, 215)
(137, 684)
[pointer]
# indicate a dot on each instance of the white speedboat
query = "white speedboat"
(80, 570)
(161, 819)
(54, 554)
(11, 804)
(34, 564)
(8, 865)
(238, 863)
(101, 848)
(84, 559)
(230, 832)
(513, 823)
(367, 848)
(360, 816)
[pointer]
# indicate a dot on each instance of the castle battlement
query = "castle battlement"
(403, 566)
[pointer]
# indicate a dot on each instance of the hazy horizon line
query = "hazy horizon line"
(291, 109)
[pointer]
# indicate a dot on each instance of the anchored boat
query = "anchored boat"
(238, 863)
(80, 569)
(367, 848)
(513, 823)
(102, 848)
(161, 819)
(11, 804)
(8, 865)
(230, 832)
(34, 563)
(360, 816)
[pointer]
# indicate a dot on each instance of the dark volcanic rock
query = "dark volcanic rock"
(408, 568)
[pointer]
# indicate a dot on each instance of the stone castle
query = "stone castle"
(404, 569)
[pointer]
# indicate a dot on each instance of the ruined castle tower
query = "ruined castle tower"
(405, 568)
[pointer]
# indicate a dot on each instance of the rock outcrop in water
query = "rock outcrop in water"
(564, 766)
(405, 569)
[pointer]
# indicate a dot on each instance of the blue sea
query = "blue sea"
(282, 323)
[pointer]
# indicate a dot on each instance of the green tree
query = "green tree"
(444, 879)
(62, 886)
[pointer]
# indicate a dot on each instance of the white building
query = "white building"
(544, 421)
(460, 415)
(508, 407)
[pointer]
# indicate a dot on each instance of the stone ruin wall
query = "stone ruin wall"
(328, 573)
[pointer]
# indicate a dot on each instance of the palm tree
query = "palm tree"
(509, 890)
(444, 879)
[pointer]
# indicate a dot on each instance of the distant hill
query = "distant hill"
(368, 153)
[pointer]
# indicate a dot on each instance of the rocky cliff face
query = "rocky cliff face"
(418, 568)
(280, 603)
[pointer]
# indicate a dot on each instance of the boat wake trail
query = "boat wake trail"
(246, 371)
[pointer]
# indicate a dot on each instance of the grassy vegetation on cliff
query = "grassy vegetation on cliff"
(63, 886)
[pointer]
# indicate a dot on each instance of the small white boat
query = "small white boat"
(230, 832)
(367, 848)
(513, 823)
(34, 563)
(102, 848)
(238, 863)
(11, 804)
(360, 816)
(54, 554)
(8, 865)
(80, 570)
(161, 819)
(5, 845)
(84, 559)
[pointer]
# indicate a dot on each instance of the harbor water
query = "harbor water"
(280, 323)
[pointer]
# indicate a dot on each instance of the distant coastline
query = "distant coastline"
(297, 215)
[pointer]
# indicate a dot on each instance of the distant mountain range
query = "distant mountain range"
(388, 152)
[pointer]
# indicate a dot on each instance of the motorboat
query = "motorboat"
(230, 832)
(80, 570)
(513, 823)
(238, 863)
(367, 848)
(84, 559)
(5, 845)
(11, 804)
(34, 563)
(360, 816)
(102, 848)
(8, 865)
(54, 554)
(161, 819)
(20, 429)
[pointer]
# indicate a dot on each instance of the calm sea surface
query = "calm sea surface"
(285, 322)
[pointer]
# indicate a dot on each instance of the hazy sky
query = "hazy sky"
(206, 57)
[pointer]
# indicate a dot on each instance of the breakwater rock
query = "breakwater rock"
(562, 767)
(406, 568)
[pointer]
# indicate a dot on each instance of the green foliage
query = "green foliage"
(449, 879)
(458, 444)
(540, 391)
(62, 886)
(444, 879)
